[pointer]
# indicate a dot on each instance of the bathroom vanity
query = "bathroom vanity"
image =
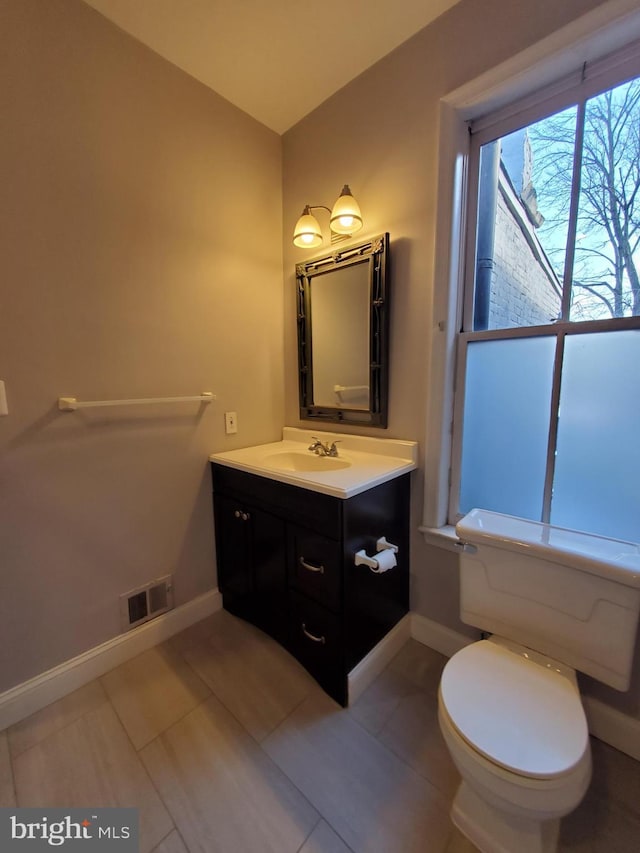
(289, 525)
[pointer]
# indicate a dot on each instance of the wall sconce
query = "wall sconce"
(345, 219)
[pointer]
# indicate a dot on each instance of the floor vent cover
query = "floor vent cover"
(146, 602)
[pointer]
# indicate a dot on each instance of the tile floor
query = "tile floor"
(224, 743)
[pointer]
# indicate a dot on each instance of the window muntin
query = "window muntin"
(585, 270)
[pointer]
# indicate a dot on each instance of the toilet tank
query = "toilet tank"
(572, 596)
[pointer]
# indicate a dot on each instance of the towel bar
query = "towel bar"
(70, 404)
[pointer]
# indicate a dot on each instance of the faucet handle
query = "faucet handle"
(333, 450)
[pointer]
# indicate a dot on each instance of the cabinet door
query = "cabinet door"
(251, 554)
(269, 565)
(233, 550)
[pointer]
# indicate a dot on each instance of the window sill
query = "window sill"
(442, 537)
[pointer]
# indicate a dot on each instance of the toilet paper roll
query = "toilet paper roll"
(386, 560)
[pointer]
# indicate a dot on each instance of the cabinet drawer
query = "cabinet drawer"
(315, 564)
(316, 640)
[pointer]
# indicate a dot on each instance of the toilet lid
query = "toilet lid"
(518, 713)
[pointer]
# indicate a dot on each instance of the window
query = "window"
(547, 403)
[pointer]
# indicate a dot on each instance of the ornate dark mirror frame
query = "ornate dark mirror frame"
(374, 255)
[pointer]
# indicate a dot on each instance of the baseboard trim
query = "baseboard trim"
(613, 727)
(619, 730)
(436, 636)
(380, 655)
(33, 695)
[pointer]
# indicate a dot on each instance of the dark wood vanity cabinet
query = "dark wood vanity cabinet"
(285, 560)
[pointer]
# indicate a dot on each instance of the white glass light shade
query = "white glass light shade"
(307, 233)
(345, 216)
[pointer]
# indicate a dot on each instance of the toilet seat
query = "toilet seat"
(518, 709)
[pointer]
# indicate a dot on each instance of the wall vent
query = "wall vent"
(146, 602)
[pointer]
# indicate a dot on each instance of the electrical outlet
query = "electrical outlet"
(230, 423)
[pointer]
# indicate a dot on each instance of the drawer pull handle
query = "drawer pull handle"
(311, 568)
(312, 636)
(245, 516)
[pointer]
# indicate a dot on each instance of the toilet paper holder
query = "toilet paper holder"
(361, 558)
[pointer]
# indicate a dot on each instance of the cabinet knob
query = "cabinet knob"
(310, 568)
(312, 636)
(238, 514)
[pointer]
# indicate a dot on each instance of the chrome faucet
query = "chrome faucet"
(321, 449)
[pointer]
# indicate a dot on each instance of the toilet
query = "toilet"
(553, 601)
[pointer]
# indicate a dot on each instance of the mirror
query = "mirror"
(343, 332)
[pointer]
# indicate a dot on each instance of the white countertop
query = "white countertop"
(372, 461)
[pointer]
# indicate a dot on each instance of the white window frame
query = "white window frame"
(553, 64)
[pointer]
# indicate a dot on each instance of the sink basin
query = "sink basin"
(295, 461)
(365, 463)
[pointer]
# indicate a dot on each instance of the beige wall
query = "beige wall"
(379, 134)
(140, 244)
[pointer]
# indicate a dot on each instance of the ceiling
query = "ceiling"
(275, 59)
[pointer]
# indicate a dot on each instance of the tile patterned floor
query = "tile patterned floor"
(224, 743)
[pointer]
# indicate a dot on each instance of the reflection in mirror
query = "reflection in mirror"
(340, 340)
(343, 335)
